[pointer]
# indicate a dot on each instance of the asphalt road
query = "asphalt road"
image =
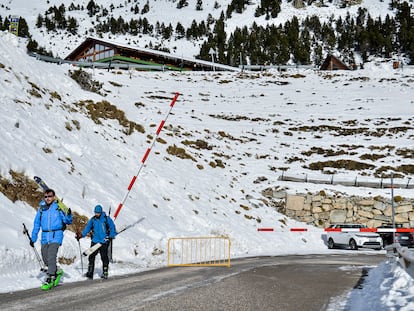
(258, 283)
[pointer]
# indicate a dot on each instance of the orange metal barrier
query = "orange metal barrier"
(199, 252)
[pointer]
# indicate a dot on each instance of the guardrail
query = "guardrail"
(199, 251)
(354, 183)
(404, 256)
(277, 67)
(164, 67)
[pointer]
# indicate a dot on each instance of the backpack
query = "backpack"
(62, 206)
(106, 225)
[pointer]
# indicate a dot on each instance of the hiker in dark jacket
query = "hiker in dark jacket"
(103, 230)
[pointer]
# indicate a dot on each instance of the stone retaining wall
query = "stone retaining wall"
(321, 210)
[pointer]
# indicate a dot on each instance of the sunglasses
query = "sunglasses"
(49, 196)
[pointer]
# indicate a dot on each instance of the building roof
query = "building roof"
(159, 57)
(333, 63)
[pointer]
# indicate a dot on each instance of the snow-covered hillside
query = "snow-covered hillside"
(166, 11)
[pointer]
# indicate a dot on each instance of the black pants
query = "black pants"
(103, 251)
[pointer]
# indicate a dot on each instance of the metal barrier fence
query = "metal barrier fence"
(380, 183)
(404, 257)
(199, 251)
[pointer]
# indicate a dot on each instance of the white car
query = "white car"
(351, 235)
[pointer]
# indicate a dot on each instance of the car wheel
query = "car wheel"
(353, 245)
(331, 243)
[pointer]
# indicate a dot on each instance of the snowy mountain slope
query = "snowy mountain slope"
(165, 11)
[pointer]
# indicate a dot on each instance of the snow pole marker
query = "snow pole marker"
(144, 158)
(111, 244)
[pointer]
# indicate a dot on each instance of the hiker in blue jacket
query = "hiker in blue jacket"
(52, 220)
(103, 231)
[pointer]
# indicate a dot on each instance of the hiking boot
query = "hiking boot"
(89, 274)
(59, 274)
(49, 282)
(105, 272)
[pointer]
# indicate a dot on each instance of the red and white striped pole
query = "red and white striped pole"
(269, 229)
(144, 158)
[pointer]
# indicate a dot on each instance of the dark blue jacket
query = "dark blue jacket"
(101, 228)
(51, 220)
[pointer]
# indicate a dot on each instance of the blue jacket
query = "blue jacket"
(101, 228)
(51, 220)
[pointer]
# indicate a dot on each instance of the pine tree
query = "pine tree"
(32, 45)
(49, 24)
(6, 24)
(181, 4)
(302, 51)
(73, 26)
(133, 27)
(328, 34)
(199, 5)
(317, 55)
(220, 37)
(146, 8)
(167, 32)
(39, 21)
(23, 28)
(146, 26)
(406, 25)
(135, 9)
(180, 31)
(60, 16)
(91, 7)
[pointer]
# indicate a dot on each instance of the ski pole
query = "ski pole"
(110, 245)
(146, 155)
(39, 259)
(80, 254)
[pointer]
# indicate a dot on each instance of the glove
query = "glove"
(78, 236)
(31, 243)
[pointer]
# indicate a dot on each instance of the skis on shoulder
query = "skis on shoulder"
(45, 187)
(95, 247)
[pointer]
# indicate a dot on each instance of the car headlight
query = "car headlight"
(364, 236)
